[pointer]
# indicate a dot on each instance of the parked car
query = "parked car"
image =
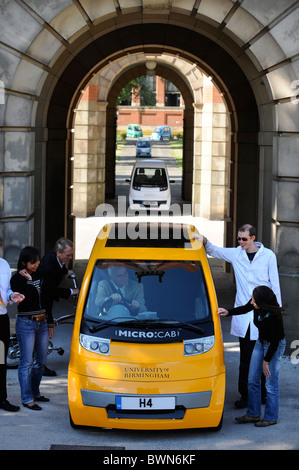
(143, 147)
(150, 357)
(150, 186)
(161, 133)
(134, 130)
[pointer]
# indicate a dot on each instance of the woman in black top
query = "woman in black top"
(31, 327)
(266, 355)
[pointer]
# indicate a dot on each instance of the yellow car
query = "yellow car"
(147, 349)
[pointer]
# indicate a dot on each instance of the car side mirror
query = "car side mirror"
(128, 180)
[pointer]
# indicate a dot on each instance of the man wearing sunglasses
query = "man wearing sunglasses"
(254, 265)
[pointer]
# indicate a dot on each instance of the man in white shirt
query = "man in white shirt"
(6, 296)
(254, 265)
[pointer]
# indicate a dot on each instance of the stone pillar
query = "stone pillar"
(16, 192)
(160, 92)
(89, 154)
(196, 192)
(41, 136)
(211, 184)
(188, 154)
(285, 230)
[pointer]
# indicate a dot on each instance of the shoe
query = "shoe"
(242, 403)
(41, 398)
(48, 372)
(263, 423)
(5, 405)
(247, 419)
(33, 407)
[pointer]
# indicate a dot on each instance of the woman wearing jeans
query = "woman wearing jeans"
(31, 328)
(266, 355)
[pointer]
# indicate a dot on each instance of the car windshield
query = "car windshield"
(143, 144)
(150, 177)
(137, 128)
(151, 291)
(158, 130)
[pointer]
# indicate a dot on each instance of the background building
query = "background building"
(168, 111)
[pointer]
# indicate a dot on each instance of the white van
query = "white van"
(150, 186)
(143, 147)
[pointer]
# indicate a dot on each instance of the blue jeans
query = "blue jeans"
(33, 339)
(272, 385)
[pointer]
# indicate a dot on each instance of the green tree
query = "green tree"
(140, 86)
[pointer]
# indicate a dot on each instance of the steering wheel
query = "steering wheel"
(124, 301)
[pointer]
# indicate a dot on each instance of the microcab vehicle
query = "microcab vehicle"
(147, 350)
(149, 186)
(134, 130)
(143, 147)
(161, 133)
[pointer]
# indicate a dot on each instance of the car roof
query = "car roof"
(153, 235)
(126, 240)
(143, 138)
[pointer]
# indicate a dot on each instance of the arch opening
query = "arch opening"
(237, 94)
(206, 131)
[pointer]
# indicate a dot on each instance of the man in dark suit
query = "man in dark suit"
(54, 268)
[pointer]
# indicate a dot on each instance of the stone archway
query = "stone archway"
(94, 123)
(205, 178)
(235, 87)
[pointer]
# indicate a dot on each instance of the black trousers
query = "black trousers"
(4, 338)
(246, 348)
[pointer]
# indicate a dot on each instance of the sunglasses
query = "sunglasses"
(244, 239)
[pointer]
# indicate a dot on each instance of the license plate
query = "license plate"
(150, 203)
(145, 403)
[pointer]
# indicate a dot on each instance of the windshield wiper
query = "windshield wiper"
(160, 322)
(191, 326)
(105, 324)
(146, 322)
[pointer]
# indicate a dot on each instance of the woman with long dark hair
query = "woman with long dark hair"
(31, 327)
(266, 355)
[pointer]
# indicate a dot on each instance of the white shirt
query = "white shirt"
(261, 271)
(5, 290)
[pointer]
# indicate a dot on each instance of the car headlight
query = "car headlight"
(198, 345)
(94, 344)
